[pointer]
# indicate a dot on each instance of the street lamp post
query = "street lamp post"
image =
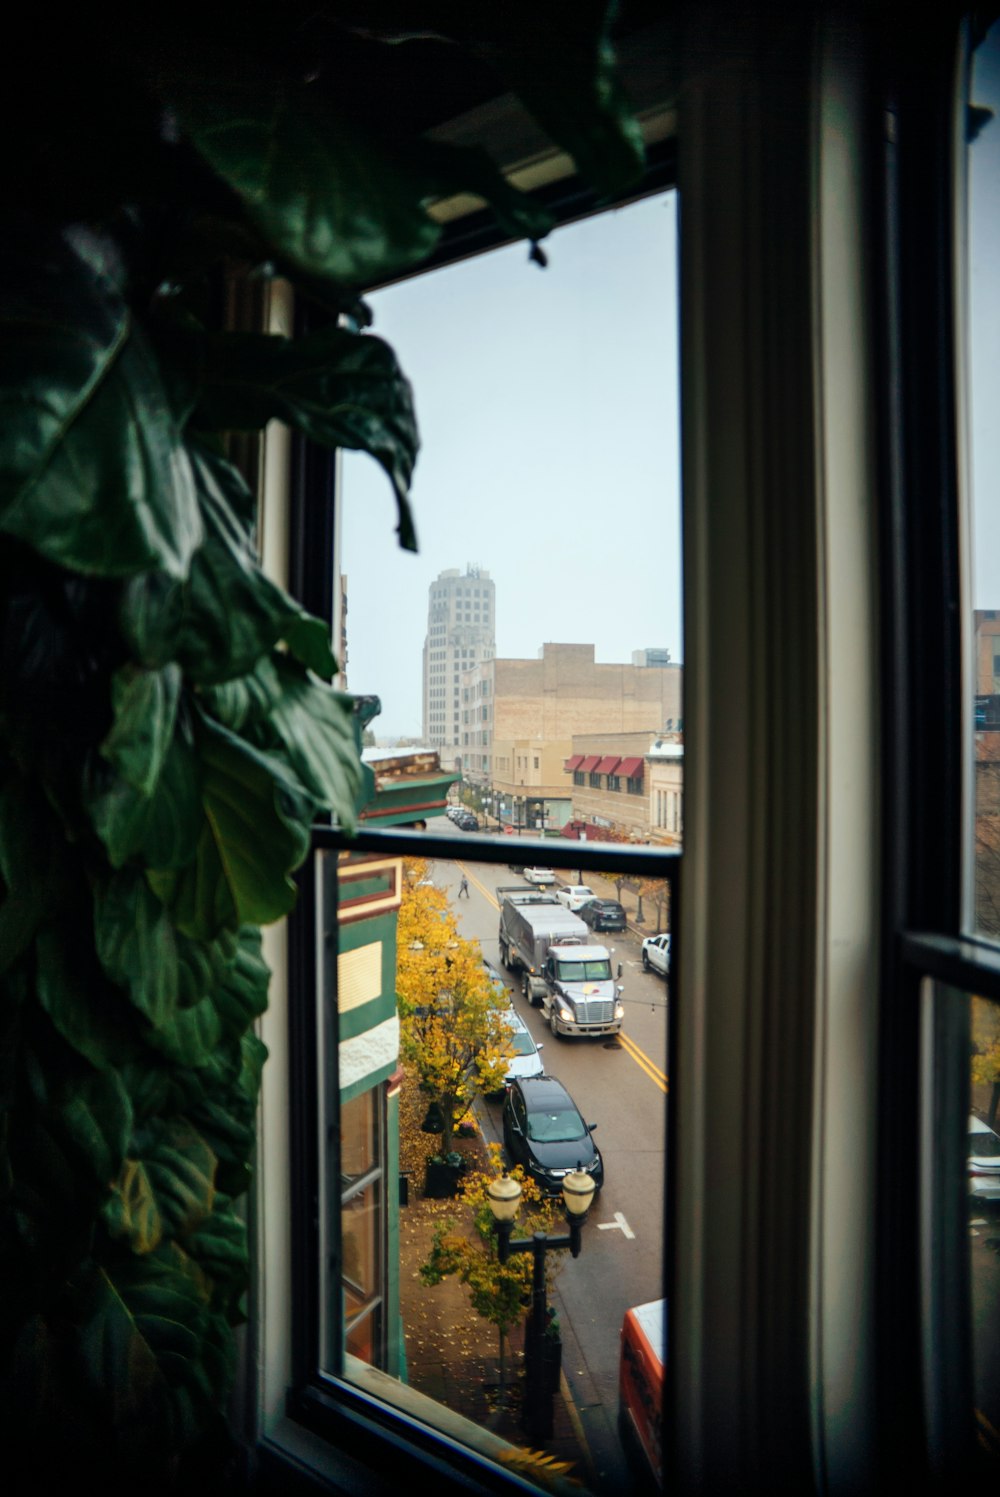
(504, 1197)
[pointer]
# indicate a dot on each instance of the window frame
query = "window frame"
(320, 1405)
(834, 202)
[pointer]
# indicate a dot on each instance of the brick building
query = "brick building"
(629, 784)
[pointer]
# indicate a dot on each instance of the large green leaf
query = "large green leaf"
(340, 388)
(191, 1036)
(280, 707)
(95, 1116)
(329, 199)
(228, 614)
(154, 1307)
(241, 992)
(226, 1114)
(83, 1374)
(255, 833)
(219, 1246)
(315, 727)
(136, 944)
(89, 1012)
(116, 494)
(62, 325)
(204, 965)
(144, 704)
(131, 1213)
(162, 829)
(180, 1168)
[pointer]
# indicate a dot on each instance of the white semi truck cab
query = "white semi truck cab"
(581, 995)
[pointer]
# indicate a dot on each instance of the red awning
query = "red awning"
(607, 764)
(573, 763)
(589, 764)
(630, 769)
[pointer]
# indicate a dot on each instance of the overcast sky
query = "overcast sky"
(548, 410)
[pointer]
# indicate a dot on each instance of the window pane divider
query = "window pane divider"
(958, 961)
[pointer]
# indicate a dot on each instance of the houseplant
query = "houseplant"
(167, 730)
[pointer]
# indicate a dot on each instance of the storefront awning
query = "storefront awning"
(588, 765)
(608, 763)
(630, 769)
(573, 763)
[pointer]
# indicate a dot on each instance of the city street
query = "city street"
(619, 1084)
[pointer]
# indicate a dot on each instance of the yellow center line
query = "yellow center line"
(642, 1060)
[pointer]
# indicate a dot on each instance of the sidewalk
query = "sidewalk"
(452, 1352)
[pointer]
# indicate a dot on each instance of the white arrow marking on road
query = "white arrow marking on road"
(618, 1225)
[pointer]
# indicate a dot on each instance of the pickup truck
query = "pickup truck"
(656, 954)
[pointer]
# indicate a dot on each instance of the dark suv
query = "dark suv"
(544, 1131)
(603, 914)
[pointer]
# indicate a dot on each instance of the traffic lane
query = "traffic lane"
(622, 1260)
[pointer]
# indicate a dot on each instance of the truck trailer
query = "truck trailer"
(561, 972)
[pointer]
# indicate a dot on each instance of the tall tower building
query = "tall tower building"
(461, 633)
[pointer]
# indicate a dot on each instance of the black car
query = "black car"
(467, 822)
(544, 1132)
(603, 914)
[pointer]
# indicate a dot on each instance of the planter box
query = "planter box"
(441, 1179)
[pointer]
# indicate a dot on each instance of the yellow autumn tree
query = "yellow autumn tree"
(452, 1033)
(468, 1249)
(985, 1060)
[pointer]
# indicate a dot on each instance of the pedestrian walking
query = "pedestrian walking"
(463, 887)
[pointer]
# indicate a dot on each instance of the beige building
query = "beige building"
(519, 719)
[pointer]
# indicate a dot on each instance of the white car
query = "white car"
(574, 895)
(656, 954)
(525, 1060)
(984, 1161)
(539, 875)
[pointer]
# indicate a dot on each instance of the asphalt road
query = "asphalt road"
(619, 1084)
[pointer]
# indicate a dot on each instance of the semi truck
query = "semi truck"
(561, 973)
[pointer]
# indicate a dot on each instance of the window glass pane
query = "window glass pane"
(466, 999)
(984, 1216)
(547, 492)
(983, 334)
(359, 1136)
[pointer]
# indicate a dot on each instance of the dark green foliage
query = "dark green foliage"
(167, 728)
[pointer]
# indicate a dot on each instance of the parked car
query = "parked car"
(495, 975)
(656, 954)
(574, 896)
(984, 1162)
(467, 822)
(526, 1060)
(544, 1132)
(603, 914)
(539, 875)
(640, 1389)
